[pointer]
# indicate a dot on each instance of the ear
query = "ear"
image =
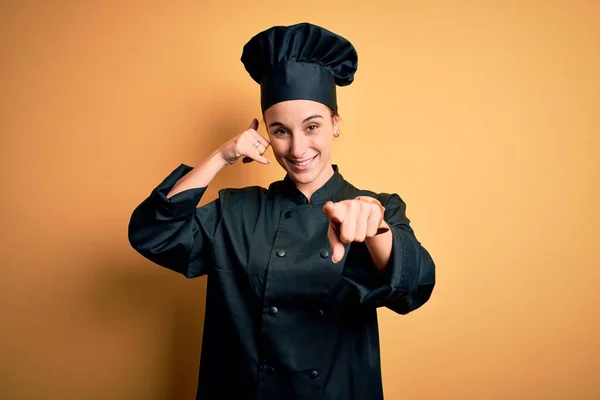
(336, 123)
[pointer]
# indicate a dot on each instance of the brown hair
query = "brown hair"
(332, 111)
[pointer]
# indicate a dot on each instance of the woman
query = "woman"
(296, 271)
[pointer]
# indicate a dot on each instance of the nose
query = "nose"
(299, 146)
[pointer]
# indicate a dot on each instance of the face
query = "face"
(301, 135)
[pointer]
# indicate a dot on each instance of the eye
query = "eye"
(280, 132)
(312, 127)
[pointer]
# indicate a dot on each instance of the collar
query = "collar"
(328, 191)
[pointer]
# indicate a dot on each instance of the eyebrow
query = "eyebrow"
(277, 123)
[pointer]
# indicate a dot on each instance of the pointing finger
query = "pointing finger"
(337, 247)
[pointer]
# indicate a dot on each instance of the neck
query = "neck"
(307, 189)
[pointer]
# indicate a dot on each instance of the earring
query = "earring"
(336, 134)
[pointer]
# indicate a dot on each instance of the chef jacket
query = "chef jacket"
(282, 320)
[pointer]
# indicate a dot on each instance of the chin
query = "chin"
(303, 178)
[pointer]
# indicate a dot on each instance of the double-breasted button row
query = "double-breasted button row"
(281, 253)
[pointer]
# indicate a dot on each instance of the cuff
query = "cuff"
(181, 204)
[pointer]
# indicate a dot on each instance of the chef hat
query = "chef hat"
(301, 61)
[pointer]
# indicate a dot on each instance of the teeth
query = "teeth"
(303, 163)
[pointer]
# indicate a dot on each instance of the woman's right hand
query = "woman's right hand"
(249, 144)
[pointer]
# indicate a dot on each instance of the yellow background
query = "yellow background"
(483, 115)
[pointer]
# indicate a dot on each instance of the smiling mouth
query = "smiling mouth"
(302, 163)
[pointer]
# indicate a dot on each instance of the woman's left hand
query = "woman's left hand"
(353, 221)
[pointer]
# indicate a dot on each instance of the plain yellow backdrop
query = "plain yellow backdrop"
(483, 115)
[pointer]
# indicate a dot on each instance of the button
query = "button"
(273, 310)
(269, 369)
(280, 253)
(313, 374)
(325, 253)
(321, 312)
(289, 214)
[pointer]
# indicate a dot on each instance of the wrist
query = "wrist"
(217, 159)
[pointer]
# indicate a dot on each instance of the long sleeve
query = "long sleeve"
(174, 232)
(410, 276)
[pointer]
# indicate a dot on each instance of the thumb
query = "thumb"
(337, 247)
(253, 124)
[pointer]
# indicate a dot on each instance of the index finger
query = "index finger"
(337, 247)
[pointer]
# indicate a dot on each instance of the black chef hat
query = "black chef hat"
(301, 61)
